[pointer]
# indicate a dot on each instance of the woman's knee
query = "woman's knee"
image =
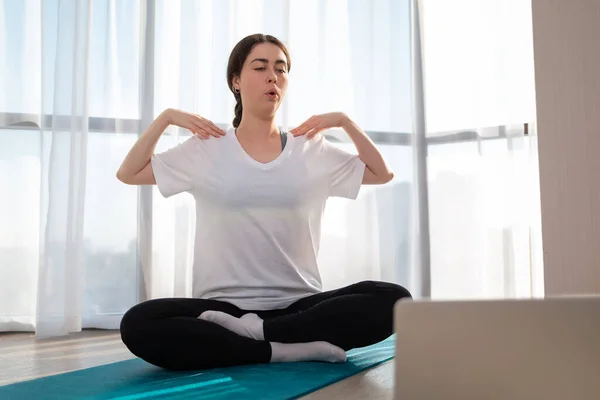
(133, 322)
(387, 289)
(400, 292)
(132, 317)
(138, 333)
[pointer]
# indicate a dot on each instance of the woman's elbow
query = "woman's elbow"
(143, 177)
(123, 177)
(385, 177)
(370, 178)
(388, 177)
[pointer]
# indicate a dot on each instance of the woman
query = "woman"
(260, 194)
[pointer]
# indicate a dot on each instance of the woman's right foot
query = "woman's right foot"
(311, 351)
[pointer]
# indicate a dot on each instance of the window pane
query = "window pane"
(38, 53)
(19, 226)
(481, 218)
(110, 229)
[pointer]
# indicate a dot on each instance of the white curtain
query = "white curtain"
(81, 80)
(484, 202)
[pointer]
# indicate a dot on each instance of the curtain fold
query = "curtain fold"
(63, 175)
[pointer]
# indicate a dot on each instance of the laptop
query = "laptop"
(498, 349)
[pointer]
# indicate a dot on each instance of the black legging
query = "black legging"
(168, 333)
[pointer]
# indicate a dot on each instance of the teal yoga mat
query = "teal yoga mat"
(136, 379)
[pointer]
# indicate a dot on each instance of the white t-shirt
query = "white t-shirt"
(258, 225)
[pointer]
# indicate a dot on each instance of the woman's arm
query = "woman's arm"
(377, 171)
(136, 168)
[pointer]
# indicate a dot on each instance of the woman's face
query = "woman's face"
(264, 79)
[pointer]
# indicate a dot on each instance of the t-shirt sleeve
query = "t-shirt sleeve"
(345, 170)
(175, 169)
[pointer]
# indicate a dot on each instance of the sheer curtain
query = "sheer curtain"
(82, 79)
(484, 205)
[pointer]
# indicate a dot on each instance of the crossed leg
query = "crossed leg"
(169, 334)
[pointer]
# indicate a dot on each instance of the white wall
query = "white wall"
(567, 74)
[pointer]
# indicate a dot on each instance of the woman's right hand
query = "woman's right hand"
(199, 126)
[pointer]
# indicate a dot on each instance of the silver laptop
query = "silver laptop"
(486, 350)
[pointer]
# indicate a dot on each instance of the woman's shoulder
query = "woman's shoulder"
(198, 146)
(214, 141)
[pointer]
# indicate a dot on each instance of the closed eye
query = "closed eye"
(263, 68)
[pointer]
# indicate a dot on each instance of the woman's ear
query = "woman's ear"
(235, 82)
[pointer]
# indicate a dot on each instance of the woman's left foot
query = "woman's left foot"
(311, 351)
(250, 325)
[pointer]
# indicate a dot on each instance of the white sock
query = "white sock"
(250, 325)
(311, 351)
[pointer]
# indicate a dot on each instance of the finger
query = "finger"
(214, 126)
(198, 132)
(296, 129)
(320, 128)
(202, 134)
(219, 130)
(200, 126)
(317, 129)
(305, 127)
(211, 128)
(196, 126)
(300, 128)
(311, 128)
(313, 123)
(205, 128)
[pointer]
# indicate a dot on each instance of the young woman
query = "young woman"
(260, 194)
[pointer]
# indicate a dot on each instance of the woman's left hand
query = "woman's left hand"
(319, 123)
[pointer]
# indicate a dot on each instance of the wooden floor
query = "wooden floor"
(24, 357)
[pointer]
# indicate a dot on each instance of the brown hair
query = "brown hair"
(236, 62)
